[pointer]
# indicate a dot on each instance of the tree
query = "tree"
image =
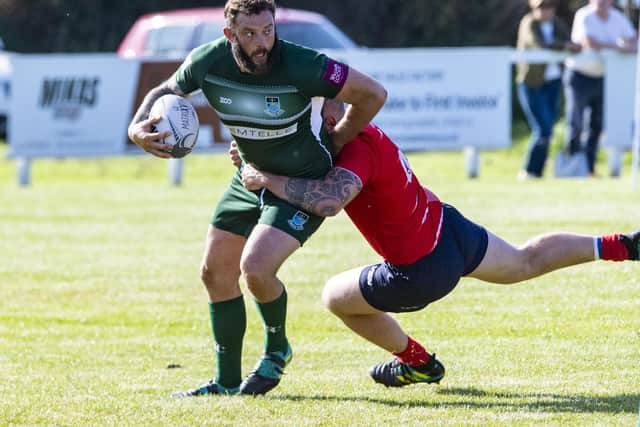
(99, 25)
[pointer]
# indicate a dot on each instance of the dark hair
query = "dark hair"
(248, 7)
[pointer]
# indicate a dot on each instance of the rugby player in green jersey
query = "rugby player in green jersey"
(261, 87)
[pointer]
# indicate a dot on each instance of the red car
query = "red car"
(172, 34)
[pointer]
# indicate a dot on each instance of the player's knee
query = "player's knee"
(326, 297)
(218, 279)
(254, 273)
(207, 276)
(331, 296)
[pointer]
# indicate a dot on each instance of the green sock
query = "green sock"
(228, 323)
(274, 316)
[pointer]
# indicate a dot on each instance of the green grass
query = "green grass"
(99, 293)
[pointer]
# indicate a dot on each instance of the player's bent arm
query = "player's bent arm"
(366, 97)
(140, 128)
(591, 43)
(325, 197)
(321, 197)
(624, 45)
(169, 86)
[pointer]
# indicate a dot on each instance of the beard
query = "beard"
(243, 59)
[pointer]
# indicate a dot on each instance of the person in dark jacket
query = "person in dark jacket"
(539, 85)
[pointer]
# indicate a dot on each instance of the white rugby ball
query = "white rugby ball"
(180, 118)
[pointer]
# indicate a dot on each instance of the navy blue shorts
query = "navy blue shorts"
(395, 288)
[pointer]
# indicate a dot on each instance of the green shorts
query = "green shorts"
(239, 210)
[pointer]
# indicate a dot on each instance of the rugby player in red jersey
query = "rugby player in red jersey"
(427, 245)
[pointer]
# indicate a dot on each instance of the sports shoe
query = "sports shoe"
(632, 242)
(523, 175)
(394, 373)
(267, 373)
(209, 388)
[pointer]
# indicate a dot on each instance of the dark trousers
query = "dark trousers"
(540, 106)
(583, 93)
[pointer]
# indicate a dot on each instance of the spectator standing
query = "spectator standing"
(539, 85)
(596, 26)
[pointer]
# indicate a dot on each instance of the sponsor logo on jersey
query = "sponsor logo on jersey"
(336, 73)
(262, 134)
(298, 221)
(272, 106)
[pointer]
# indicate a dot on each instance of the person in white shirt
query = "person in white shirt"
(596, 26)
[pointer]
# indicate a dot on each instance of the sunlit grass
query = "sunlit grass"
(99, 293)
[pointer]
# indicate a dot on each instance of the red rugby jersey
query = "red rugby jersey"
(400, 219)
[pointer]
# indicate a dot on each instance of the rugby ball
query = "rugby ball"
(180, 118)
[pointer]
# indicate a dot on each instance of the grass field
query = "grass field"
(99, 293)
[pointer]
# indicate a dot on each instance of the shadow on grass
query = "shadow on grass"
(471, 397)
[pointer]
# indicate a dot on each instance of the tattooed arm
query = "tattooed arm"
(322, 197)
(140, 129)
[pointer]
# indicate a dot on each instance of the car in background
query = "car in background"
(173, 34)
(163, 39)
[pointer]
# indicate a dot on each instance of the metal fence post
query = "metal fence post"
(175, 171)
(23, 168)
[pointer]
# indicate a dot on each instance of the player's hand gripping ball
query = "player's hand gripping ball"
(180, 118)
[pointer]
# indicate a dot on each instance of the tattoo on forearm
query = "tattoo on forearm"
(324, 197)
(152, 96)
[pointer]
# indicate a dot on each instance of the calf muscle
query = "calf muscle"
(505, 264)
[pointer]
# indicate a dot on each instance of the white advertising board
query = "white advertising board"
(619, 101)
(441, 98)
(70, 105)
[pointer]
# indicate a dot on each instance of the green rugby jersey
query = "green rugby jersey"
(268, 115)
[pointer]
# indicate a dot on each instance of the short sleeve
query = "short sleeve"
(184, 75)
(334, 75)
(315, 73)
(358, 158)
(192, 71)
